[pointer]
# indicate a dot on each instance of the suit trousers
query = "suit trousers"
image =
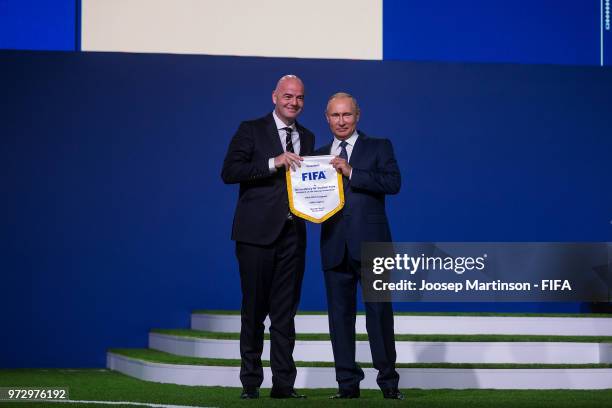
(341, 286)
(271, 281)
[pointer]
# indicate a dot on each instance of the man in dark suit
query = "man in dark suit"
(370, 172)
(270, 242)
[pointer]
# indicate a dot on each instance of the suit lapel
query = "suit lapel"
(272, 134)
(304, 144)
(358, 150)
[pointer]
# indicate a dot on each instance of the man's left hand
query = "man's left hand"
(341, 166)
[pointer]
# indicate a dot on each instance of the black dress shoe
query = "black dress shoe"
(283, 394)
(249, 393)
(393, 394)
(346, 394)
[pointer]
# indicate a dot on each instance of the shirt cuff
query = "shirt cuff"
(271, 165)
(351, 174)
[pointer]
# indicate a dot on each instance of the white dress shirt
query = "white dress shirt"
(336, 149)
(282, 134)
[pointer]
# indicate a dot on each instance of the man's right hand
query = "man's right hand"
(287, 160)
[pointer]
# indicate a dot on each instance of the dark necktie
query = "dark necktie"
(344, 155)
(288, 148)
(288, 141)
(343, 152)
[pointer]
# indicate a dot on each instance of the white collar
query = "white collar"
(351, 140)
(279, 123)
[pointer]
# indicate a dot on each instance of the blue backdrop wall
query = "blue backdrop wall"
(40, 24)
(115, 220)
(525, 31)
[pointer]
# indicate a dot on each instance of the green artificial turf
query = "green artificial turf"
(489, 314)
(104, 385)
(200, 334)
(155, 356)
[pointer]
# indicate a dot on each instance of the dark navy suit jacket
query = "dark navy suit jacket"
(263, 202)
(363, 218)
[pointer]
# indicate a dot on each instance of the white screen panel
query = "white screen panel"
(345, 29)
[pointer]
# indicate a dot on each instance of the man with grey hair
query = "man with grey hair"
(270, 242)
(370, 173)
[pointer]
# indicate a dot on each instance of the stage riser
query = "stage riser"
(323, 377)
(554, 326)
(407, 352)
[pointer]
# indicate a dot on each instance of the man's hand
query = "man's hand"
(341, 166)
(288, 160)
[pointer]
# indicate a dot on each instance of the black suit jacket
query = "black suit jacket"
(363, 218)
(263, 203)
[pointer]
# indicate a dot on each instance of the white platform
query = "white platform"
(559, 326)
(407, 351)
(324, 377)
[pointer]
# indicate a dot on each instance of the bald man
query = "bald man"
(270, 242)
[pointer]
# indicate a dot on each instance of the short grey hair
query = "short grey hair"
(338, 95)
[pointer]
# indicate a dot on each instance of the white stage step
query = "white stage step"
(407, 351)
(324, 377)
(317, 323)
